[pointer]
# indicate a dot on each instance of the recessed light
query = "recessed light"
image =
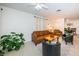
(58, 10)
(1, 9)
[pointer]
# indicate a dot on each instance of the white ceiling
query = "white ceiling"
(68, 10)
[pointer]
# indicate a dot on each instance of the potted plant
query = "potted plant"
(12, 41)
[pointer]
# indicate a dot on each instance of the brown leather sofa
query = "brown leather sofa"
(38, 36)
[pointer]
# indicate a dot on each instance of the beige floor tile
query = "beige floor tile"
(29, 49)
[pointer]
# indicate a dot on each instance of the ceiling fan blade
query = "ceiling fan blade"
(44, 6)
(38, 6)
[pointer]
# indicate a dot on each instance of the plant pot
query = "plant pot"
(1, 53)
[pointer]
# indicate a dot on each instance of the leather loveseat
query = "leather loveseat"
(38, 36)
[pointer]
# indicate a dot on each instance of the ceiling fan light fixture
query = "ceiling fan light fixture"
(38, 7)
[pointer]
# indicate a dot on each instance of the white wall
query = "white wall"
(16, 21)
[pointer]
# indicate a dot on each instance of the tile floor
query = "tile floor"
(29, 49)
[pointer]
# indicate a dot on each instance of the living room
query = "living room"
(29, 17)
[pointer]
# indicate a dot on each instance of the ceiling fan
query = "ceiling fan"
(39, 6)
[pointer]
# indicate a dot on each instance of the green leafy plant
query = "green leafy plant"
(12, 41)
